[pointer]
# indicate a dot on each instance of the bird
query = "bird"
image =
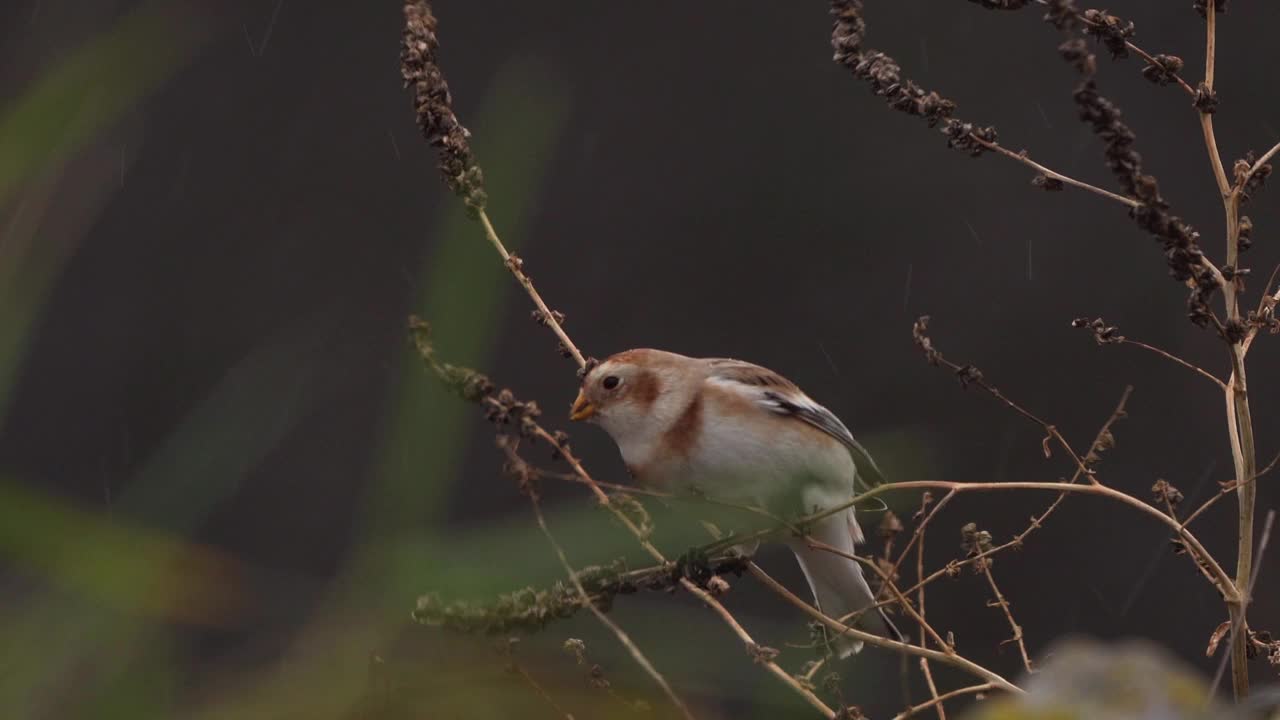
(736, 432)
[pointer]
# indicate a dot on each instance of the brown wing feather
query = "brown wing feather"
(780, 395)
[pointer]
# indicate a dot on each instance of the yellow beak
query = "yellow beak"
(582, 408)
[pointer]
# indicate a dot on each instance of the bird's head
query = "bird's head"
(620, 393)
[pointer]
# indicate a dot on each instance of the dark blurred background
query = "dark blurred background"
(225, 478)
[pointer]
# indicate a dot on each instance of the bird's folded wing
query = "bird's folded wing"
(778, 395)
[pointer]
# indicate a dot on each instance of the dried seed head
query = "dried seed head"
(541, 318)
(1002, 4)
(1166, 492)
(1044, 182)
(890, 526)
(1164, 70)
(587, 367)
(882, 73)
(968, 374)
(1181, 243)
(433, 105)
(1206, 100)
(1244, 233)
(762, 653)
(1112, 31)
(1103, 334)
(974, 541)
(920, 335)
(1247, 182)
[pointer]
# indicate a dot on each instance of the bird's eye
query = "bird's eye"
(611, 382)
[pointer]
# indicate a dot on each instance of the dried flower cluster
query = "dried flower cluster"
(1103, 333)
(1166, 493)
(529, 609)
(1248, 179)
(1164, 70)
(701, 571)
(433, 105)
(1181, 242)
(1112, 31)
(882, 73)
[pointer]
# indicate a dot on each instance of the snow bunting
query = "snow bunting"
(737, 432)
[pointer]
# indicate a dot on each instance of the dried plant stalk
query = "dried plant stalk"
(1141, 196)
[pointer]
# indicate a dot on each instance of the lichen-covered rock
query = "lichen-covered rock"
(1086, 680)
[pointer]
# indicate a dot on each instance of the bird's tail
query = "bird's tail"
(838, 585)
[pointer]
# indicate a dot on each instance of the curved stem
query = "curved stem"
(513, 265)
(971, 690)
(952, 659)
(1240, 423)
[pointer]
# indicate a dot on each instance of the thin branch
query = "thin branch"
(1243, 181)
(1170, 356)
(933, 687)
(970, 375)
(1206, 115)
(1023, 158)
(899, 598)
(1003, 604)
(918, 534)
(520, 670)
(1221, 579)
(613, 627)
(754, 648)
(952, 659)
(1101, 490)
(924, 662)
(1129, 45)
(1226, 489)
(515, 265)
(971, 690)
(1240, 427)
(1262, 548)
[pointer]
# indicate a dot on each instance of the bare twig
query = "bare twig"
(1003, 604)
(1025, 159)
(917, 536)
(924, 662)
(623, 638)
(1262, 548)
(715, 605)
(1194, 368)
(970, 375)
(933, 687)
(970, 690)
(1220, 577)
(1243, 181)
(898, 597)
(1206, 111)
(541, 692)
(1093, 21)
(1240, 427)
(516, 266)
(1226, 489)
(951, 659)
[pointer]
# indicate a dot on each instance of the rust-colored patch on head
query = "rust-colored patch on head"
(645, 388)
(683, 434)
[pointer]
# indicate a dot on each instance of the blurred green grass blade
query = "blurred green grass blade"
(59, 114)
(466, 286)
(142, 685)
(89, 90)
(115, 565)
(199, 466)
(425, 428)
